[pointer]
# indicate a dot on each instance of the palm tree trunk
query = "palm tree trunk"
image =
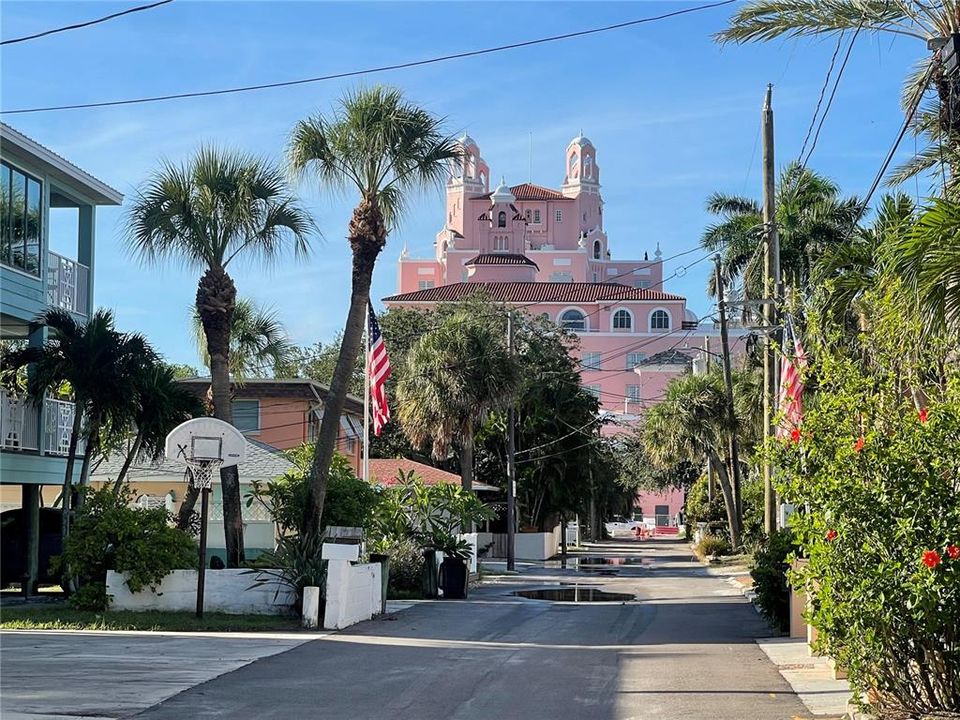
(216, 300)
(367, 236)
(466, 457)
(68, 489)
(186, 507)
(729, 501)
(93, 442)
(127, 462)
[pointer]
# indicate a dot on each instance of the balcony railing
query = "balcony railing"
(68, 284)
(20, 425)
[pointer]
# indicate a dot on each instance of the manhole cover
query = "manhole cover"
(575, 594)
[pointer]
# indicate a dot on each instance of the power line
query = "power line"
(88, 23)
(366, 71)
(823, 92)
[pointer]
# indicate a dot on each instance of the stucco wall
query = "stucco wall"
(227, 591)
(353, 593)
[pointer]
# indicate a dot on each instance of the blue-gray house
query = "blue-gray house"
(35, 182)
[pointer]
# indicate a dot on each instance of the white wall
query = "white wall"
(353, 593)
(537, 546)
(227, 591)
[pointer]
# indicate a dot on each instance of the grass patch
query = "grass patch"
(56, 617)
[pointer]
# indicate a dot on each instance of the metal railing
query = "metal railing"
(57, 426)
(19, 423)
(68, 284)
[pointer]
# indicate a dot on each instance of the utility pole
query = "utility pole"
(511, 466)
(711, 478)
(732, 452)
(771, 286)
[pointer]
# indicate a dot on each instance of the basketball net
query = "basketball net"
(201, 472)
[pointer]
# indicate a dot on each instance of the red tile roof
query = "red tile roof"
(501, 259)
(533, 292)
(384, 472)
(529, 191)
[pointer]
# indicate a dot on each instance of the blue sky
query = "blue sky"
(674, 117)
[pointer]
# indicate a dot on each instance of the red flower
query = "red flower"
(795, 435)
(953, 551)
(922, 414)
(860, 443)
(831, 535)
(931, 558)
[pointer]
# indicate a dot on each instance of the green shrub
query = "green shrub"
(769, 575)
(108, 534)
(712, 545)
(406, 567)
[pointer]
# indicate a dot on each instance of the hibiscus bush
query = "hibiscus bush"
(875, 473)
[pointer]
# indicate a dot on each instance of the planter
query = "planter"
(453, 578)
(429, 579)
(384, 561)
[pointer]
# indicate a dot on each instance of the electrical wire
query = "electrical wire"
(823, 92)
(88, 23)
(367, 71)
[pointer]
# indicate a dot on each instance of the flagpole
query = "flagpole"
(366, 394)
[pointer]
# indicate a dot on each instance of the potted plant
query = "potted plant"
(454, 570)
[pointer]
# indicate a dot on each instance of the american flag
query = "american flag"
(378, 365)
(792, 364)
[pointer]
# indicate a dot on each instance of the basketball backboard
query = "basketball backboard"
(205, 439)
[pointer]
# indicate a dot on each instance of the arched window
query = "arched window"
(502, 219)
(622, 320)
(659, 320)
(588, 167)
(573, 165)
(573, 320)
(596, 249)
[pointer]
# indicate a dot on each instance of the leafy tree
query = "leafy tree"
(101, 366)
(258, 341)
(318, 362)
(384, 147)
(181, 371)
(765, 20)
(217, 208)
(811, 217)
(690, 422)
(454, 376)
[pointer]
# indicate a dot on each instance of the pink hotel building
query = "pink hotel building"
(546, 251)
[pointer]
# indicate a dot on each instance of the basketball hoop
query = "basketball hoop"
(204, 445)
(202, 470)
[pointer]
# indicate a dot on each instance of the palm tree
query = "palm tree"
(162, 403)
(811, 217)
(384, 147)
(693, 418)
(929, 22)
(258, 341)
(219, 207)
(99, 364)
(453, 377)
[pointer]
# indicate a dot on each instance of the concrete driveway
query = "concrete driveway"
(684, 649)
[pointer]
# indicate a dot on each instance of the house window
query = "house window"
(590, 361)
(660, 320)
(499, 243)
(596, 249)
(596, 277)
(246, 415)
(501, 219)
(634, 359)
(642, 284)
(573, 320)
(561, 277)
(528, 215)
(558, 216)
(633, 393)
(21, 220)
(425, 284)
(593, 390)
(536, 217)
(622, 320)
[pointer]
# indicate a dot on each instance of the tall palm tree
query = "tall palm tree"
(161, 403)
(811, 216)
(384, 147)
(928, 22)
(219, 207)
(258, 341)
(693, 418)
(452, 378)
(99, 364)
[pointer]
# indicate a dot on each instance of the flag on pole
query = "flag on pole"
(792, 365)
(378, 369)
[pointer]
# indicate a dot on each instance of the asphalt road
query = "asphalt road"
(685, 650)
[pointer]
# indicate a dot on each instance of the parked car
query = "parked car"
(12, 536)
(619, 527)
